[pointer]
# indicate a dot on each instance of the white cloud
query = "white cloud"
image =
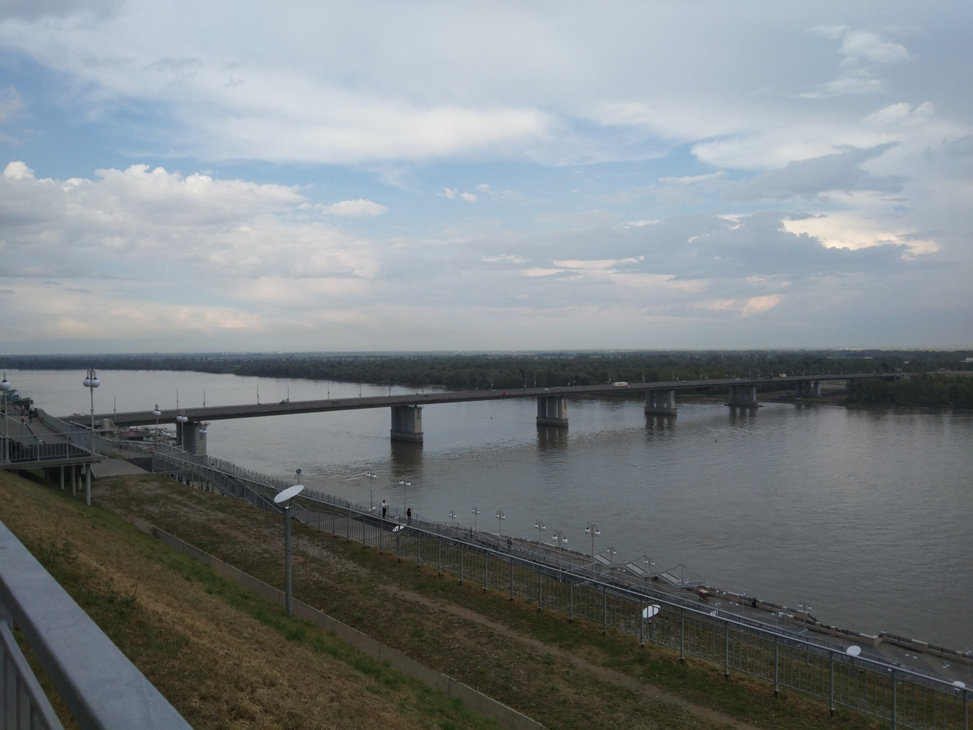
(640, 112)
(846, 86)
(858, 45)
(354, 208)
(509, 258)
(499, 195)
(845, 230)
(455, 194)
(695, 179)
(744, 307)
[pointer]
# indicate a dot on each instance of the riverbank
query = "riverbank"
(564, 675)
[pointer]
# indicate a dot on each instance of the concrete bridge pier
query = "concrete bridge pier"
(552, 410)
(191, 436)
(808, 389)
(660, 402)
(406, 424)
(743, 396)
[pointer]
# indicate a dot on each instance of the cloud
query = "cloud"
(138, 222)
(354, 208)
(865, 45)
(695, 179)
(841, 230)
(454, 194)
(32, 10)
(808, 179)
(745, 307)
(847, 85)
(499, 195)
(11, 103)
(510, 258)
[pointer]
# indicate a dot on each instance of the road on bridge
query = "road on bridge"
(254, 410)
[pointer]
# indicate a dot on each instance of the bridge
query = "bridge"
(406, 409)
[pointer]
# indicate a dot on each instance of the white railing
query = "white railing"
(100, 686)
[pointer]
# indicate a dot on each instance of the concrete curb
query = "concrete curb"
(477, 701)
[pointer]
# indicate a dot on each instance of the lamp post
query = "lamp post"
(475, 511)
(156, 412)
(285, 498)
(181, 420)
(649, 564)
(90, 382)
(371, 483)
(4, 388)
(592, 529)
(404, 484)
(452, 517)
(560, 540)
(500, 518)
(538, 525)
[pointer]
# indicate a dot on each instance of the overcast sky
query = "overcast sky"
(308, 176)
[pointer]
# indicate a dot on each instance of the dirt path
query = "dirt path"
(644, 689)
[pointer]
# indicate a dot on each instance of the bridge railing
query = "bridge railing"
(99, 685)
(900, 695)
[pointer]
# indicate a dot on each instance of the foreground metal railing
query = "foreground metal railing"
(902, 696)
(100, 686)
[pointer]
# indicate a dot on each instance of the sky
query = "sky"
(306, 176)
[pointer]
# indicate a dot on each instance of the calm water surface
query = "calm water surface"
(867, 515)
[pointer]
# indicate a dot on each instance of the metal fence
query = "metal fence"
(904, 697)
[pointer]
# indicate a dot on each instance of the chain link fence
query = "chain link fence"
(901, 696)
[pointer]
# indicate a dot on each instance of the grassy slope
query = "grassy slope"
(221, 656)
(564, 675)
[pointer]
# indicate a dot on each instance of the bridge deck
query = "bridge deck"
(252, 410)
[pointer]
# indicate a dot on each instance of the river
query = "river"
(867, 515)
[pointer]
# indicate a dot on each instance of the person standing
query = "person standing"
(408, 514)
(385, 508)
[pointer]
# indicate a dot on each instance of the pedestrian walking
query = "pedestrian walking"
(385, 508)
(408, 515)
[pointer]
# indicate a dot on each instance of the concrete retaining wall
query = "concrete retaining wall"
(477, 701)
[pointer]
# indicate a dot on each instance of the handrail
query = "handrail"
(97, 682)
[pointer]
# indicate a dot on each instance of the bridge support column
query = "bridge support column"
(406, 424)
(191, 436)
(743, 396)
(660, 402)
(552, 410)
(808, 389)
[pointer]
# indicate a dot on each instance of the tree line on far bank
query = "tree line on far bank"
(550, 369)
(930, 390)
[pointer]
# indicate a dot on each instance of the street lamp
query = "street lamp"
(4, 387)
(475, 511)
(181, 420)
(90, 382)
(452, 517)
(538, 525)
(285, 498)
(560, 540)
(371, 483)
(592, 529)
(404, 484)
(500, 518)
(156, 412)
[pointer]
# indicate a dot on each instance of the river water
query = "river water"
(867, 515)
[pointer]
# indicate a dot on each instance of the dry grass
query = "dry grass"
(222, 657)
(566, 675)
